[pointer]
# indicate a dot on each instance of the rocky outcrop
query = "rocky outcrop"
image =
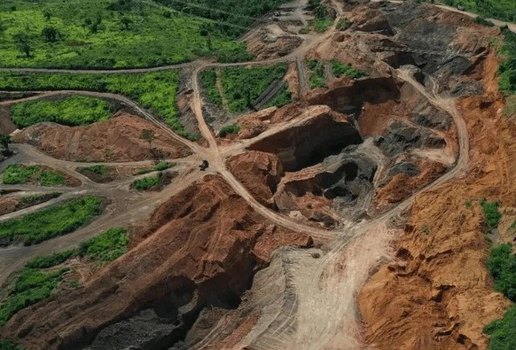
(200, 249)
(307, 144)
(118, 139)
(259, 172)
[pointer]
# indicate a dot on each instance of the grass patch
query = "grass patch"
(322, 20)
(154, 91)
(147, 183)
(316, 74)
(16, 174)
(51, 222)
(229, 129)
(320, 25)
(502, 266)
(30, 287)
(71, 111)
(242, 86)
(112, 34)
(491, 214)
(107, 246)
(209, 82)
(42, 275)
(341, 69)
(499, 9)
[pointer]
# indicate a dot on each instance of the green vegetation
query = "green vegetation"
(320, 25)
(107, 246)
(483, 21)
(8, 345)
(71, 111)
(322, 21)
(317, 78)
(147, 183)
(341, 69)
(209, 82)
(240, 93)
(500, 9)
(99, 169)
(154, 91)
(235, 15)
(501, 332)
(45, 262)
(115, 33)
(492, 214)
(51, 222)
(502, 266)
(160, 166)
(507, 68)
(28, 201)
(42, 275)
(229, 129)
(343, 24)
(16, 174)
(30, 287)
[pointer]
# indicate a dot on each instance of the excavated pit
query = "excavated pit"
(309, 144)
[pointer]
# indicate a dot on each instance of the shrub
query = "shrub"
(317, 78)
(44, 262)
(229, 129)
(502, 266)
(51, 222)
(161, 166)
(501, 332)
(107, 246)
(341, 69)
(492, 214)
(147, 183)
(99, 169)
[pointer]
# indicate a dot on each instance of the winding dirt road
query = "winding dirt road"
(315, 306)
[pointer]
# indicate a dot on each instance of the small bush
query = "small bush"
(161, 166)
(317, 78)
(502, 332)
(502, 267)
(99, 169)
(147, 183)
(45, 262)
(492, 214)
(229, 129)
(341, 69)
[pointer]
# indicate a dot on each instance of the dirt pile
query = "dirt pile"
(429, 297)
(118, 139)
(199, 250)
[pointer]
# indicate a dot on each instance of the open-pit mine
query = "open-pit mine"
(349, 184)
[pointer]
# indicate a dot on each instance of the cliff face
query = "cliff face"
(200, 250)
(437, 293)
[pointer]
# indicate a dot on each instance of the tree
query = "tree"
(47, 14)
(205, 32)
(50, 34)
(23, 42)
(4, 142)
(126, 22)
(149, 136)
